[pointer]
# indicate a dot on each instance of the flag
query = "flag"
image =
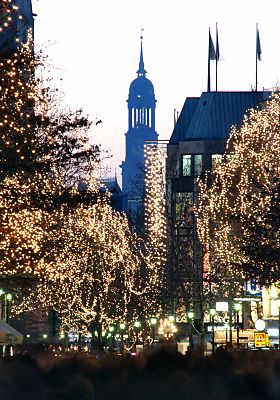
(258, 45)
(211, 50)
(217, 45)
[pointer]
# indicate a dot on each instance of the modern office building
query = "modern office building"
(196, 145)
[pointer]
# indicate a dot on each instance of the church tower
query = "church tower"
(16, 18)
(141, 128)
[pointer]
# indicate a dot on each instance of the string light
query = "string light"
(166, 328)
(80, 256)
(9, 14)
(155, 216)
(236, 203)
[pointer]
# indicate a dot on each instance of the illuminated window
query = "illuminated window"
(187, 165)
(197, 164)
(216, 161)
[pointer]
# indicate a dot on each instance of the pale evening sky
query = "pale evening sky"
(95, 46)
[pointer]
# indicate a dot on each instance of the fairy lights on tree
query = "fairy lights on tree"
(155, 216)
(79, 255)
(89, 274)
(7, 9)
(238, 214)
(43, 154)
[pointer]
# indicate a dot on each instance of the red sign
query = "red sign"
(260, 339)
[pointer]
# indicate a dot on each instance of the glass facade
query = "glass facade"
(187, 165)
(197, 164)
(191, 164)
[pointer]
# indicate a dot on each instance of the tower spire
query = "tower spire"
(141, 71)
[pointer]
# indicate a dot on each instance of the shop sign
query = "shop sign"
(260, 339)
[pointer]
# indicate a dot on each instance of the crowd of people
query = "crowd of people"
(161, 374)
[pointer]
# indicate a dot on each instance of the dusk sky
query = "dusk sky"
(94, 46)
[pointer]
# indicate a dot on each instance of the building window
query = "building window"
(187, 165)
(184, 214)
(216, 161)
(197, 164)
(191, 164)
(183, 202)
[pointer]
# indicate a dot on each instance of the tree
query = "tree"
(45, 152)
(155, 221)
(78, 256)
(90, 270)
(238, 210)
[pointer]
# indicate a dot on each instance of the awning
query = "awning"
(9, 335)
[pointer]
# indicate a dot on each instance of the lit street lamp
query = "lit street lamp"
(212, 313)
(6, 299)
(111, 330)
(227, 326)
(171, 318)
(190, 319)
(153, 323)
(122, 328)
(278, 303)
(237, 308)
(137, 326)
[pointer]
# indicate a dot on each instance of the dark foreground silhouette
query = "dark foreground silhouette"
(158, 375)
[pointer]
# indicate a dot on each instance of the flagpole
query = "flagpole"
(257, 57)
(216, 57)
(208, 81)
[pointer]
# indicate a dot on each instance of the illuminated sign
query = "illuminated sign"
(221, 306)
(261, 339)
(252, 288)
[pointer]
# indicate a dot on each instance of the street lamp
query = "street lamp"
(111, 330)
(2, 316)
(137, 325)
(278, 304)
(212, 313)
(153, 323)
(227, 326)
(8, 299)
(237, 308)
(190, 318)
(122, 328)
(171, 318)
(190, 315)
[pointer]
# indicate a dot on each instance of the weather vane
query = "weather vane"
(142, 30)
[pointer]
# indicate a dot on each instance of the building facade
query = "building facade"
(196, 145)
